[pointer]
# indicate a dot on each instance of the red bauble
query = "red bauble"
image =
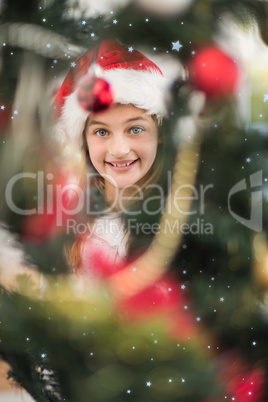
(214, 72)
(59, 206)
(248, 387)
(94, 94)
(163, 296)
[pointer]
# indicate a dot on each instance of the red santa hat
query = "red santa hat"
(135, 80)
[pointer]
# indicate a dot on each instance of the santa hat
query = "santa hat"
(135, 80)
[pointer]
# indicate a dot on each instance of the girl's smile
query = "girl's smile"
(122, 144)
(122, 165)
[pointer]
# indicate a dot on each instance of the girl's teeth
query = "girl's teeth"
(121, 164)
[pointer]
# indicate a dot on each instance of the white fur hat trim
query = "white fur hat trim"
(143, 89)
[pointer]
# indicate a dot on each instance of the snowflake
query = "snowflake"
(84, 22)
(182, 380)
(16, 112)
(2, 107)
(176, 45)
(265, 97)
(248, 160)
(48, 45)
(222, 299)
(73, 64)
(114, 21)
(130, 49)
(148, 383)
(183, 287)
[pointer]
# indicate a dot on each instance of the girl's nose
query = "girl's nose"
(119, 146)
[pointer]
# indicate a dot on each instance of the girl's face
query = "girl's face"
(122, 144)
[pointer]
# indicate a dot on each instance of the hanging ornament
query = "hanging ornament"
(94, 93)
(214, 72)
(167, 7)
(248, 386)
(243, 382)
(61, 203)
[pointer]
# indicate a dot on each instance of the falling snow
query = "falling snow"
(176, 46)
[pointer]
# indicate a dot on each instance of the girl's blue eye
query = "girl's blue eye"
(136, 130)
(101, 132)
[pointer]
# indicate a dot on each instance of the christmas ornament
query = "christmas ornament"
(248, 386)
(62, 197)
(168, 7)
(242, 382)
(94, 94)
(214, 72)
(161, 297)
(164, 299)
(38, 227)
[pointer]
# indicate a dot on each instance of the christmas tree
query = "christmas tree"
(191, 323)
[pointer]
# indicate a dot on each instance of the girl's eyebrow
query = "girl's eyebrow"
(136, 118)
(91, 122)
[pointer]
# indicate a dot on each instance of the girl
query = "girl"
(123, 144)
